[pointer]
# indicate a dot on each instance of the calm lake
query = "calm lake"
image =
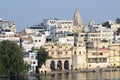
(82, 76)
(75, 76)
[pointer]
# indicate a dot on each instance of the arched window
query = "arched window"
(59, 65)
(52, 65)
(66, 64)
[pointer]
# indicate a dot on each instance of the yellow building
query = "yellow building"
(66, 56)
(99, 57)
(116, 51)
(103, 54)
(61, 56)
(79, 57)
(96, 55)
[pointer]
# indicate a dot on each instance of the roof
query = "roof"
(35, 27)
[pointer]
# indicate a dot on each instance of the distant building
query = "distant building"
(99, 58)
(38, 41)
(44, 70)
(117, 35)
(35, 30)
(107, 34)
(116, 53)
(30, 58)
(6, 25)
(66, 56)
(30, 40)
(68, 39)
(79, 56)
(57, 28)
(13, 39)
(61, 56)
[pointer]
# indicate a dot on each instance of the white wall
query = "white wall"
(39, 40)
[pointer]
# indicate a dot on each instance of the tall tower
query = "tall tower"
(77, 19)
(77, 22)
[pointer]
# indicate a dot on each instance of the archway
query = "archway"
(66, 64)
(59, 65)
(52, 65)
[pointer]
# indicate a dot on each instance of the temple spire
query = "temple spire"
(77, 19)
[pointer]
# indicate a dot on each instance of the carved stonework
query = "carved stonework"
(77, 22)
(77, 19)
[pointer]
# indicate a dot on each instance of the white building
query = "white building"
(7, 25)
(94, 37)
(94, 27)
(31, 41)
(38, 40)
(107, 34)
(67, 40)
(26, 43)
(31, 59)
(117, 35)
(34, 30)
(57, 28)
(7, 34)
(13, 39)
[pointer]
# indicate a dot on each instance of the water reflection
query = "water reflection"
(33, 78)
(85, 76)
(73, 76)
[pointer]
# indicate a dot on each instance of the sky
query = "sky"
(31, 12)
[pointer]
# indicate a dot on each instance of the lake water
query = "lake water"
(75, 76)
(84, 76)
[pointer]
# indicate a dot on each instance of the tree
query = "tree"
(11, 58)
(42, 56)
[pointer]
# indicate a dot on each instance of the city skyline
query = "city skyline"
(28, 13)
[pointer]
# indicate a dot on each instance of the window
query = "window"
(74, 52)
(60, 46)
(93, 53)
(59, 52)
(79, 52)
(96, 60)
(65, 26)
(104, 59)
(90, 59)
(52, 46)
(52, 53)
(35, 40)
(33, 62)
(103, 47)
(66, 52)
(101, 53)
(32, 57)
(89, 65)
(39, 40)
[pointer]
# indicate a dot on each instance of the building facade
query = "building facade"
(6, 25)
(61, 56)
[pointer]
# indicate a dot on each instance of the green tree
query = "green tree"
(11, 58)
(42, 56)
